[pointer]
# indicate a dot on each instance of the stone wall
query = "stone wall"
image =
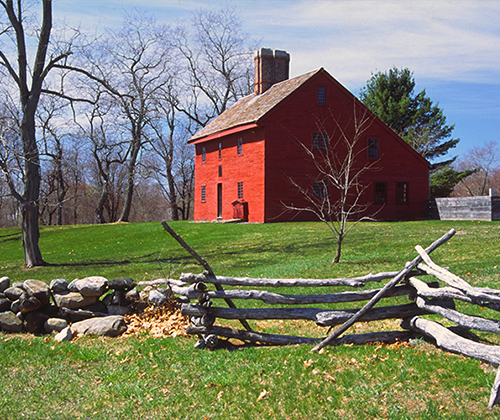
(92, 305)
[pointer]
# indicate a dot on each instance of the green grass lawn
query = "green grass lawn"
(147, 378)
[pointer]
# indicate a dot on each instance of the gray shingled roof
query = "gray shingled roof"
(253, 107)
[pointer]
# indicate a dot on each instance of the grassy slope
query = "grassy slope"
(167, 378)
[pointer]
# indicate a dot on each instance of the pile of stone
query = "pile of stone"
(92, 305)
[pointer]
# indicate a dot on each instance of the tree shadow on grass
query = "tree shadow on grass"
(11, 237)
(179, 260)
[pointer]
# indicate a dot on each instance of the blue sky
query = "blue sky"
(453, 47)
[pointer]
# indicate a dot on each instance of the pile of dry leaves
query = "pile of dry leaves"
(159, 321)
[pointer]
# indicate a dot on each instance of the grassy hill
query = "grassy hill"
(167, 378)
(145, 251)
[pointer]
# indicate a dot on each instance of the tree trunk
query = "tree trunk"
(339, 250)
(124, 217)
(31, 193)
(99, 209)
(172, 196)
(61, 187)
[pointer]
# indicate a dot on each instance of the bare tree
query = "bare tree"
(218, 64)
(51, 114)
(185, 181)
(11, 164)
(336, 194)
(107, 149)
(172, 166)
(28, 79)
(485, 162)
(132, 66)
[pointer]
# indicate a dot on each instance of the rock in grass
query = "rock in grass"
(5, 304)
(55, 325)
(13, 293)
(14, 306)
(157, 297)
(38, 289)
(98, 307)
(10, 322)
(110, 326)
(59, 285)
(28, 303)
(51, 310)
(73, 300)
(34, 322)
(76, 315)
(119, 310)
(89, 286)
(118, 298)
(132, 295)
(122, 283)
(4, 283)
(64, 335)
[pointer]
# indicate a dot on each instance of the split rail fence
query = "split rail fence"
(424, 298)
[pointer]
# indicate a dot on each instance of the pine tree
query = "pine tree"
(415, 118)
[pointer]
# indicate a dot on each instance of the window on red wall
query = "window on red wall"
(239, 146)
(380, 192)
(373, 149)
(203, 193)
(203, 154)
(321, 95)
(320, 142)
(402, 192)
(320, 189)
(220, 171)
(220, 151)
(240, 190)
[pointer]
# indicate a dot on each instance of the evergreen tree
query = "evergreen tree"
(415, 118)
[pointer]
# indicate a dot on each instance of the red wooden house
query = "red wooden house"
(247, 157)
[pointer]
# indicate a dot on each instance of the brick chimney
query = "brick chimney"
(270, 67)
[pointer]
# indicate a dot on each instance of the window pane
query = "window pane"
(380, 192)
(320, 142)
(402, 192)
(240, 146)
(240, 190)
(321, 95)
(203, 154)
(320, 189)
(203, 193)
(373, 148)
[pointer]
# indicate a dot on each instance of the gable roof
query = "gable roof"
(251, 108)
